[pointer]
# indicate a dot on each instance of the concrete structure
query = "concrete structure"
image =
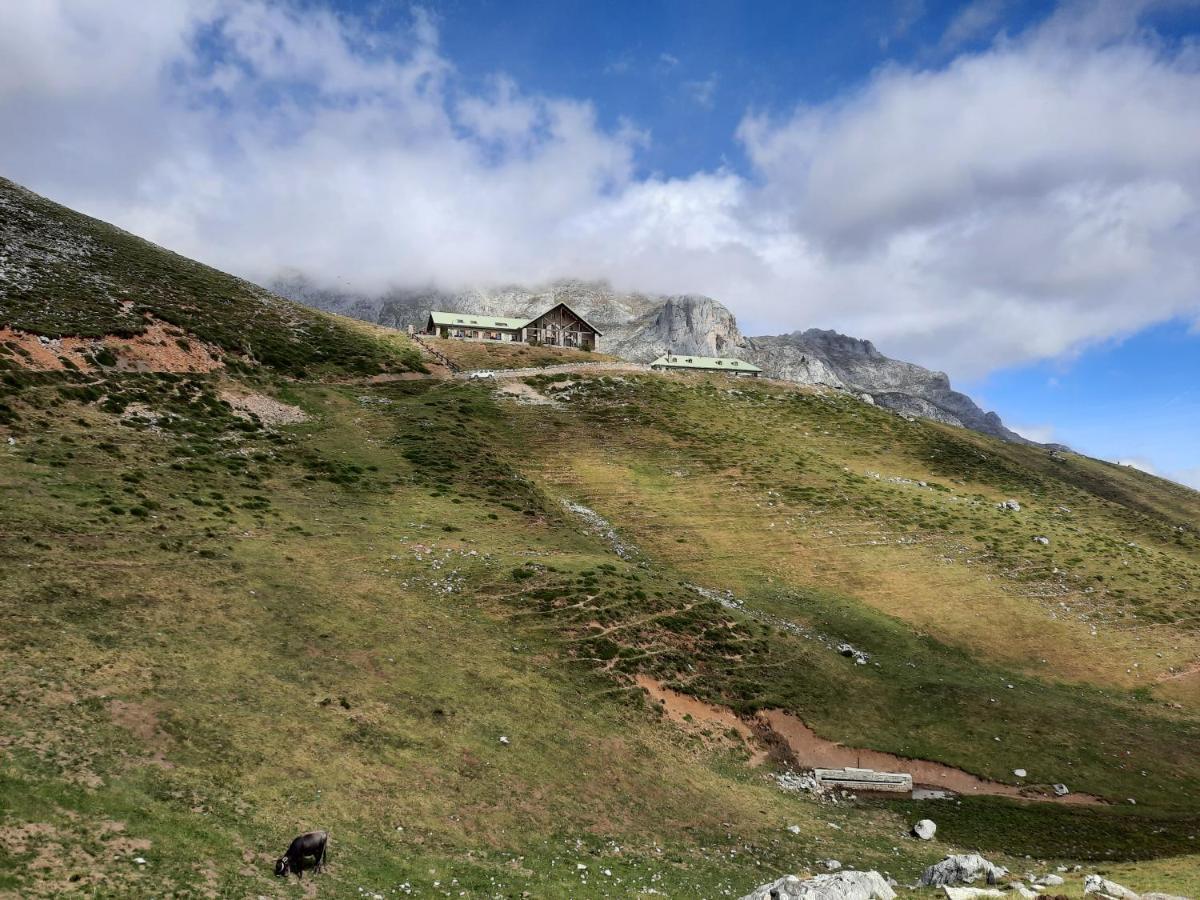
(559, 326)
(850, 779)
(728, 365)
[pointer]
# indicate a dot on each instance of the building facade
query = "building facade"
(559, 326)
(726, 365)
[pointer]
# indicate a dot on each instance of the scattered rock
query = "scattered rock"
(1061, 790)
(1041, 539)
(970, 893)
(851, 652)
(925, 829)
(832, 865)
(794, 829)
(849, 885)
(962, 868)
(1025, 892)
(504, 740)
(1094, 884)
(1020, 773)
(1049, 880)
(1009, 505)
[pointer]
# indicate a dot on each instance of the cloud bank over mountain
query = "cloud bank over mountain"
(1008, 204)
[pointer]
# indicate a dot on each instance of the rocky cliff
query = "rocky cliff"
(826, 357)
(641, 327)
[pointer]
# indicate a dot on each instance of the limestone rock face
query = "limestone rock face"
(856, 365)
(641, 327)
(848, 885)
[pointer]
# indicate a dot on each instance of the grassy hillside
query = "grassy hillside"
(243, 602)
(65, 274)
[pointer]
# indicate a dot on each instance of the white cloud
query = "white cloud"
(972, 21)
(1014, 204)
(1042, 434)
(704, 90)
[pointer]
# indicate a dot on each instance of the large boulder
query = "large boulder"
(962, 868)
(1095, 884)
(848, 885)
(925, 829)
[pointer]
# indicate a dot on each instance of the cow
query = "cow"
(311, 844)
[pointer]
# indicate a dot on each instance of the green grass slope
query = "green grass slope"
(243, 603)
(65, 274)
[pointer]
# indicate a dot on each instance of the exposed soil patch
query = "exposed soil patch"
(158, 348)
(523, 393)
(268, 410)
(812, 750)
(1183, 674)
(141, 720)
(691, 713)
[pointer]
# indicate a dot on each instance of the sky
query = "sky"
(1005, 190)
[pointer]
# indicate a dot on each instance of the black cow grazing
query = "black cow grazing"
(311, 844)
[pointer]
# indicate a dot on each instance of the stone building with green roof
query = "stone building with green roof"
(728, 365)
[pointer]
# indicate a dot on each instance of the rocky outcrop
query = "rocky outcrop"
(1102, 887)
(963, 868)
(640, 327)
(826, 357)
(847, 885)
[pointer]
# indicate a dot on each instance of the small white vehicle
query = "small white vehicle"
(482, 373)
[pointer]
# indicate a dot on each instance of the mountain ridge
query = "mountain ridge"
(640, 327)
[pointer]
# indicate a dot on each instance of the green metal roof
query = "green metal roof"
(467, 320)
(711, 363)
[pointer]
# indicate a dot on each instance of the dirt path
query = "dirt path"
(811, 750)
(688, 711)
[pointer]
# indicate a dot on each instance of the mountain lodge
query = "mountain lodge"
(728, 365)
(559, 326)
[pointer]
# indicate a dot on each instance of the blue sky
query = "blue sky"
(1135, 401)
(1006, 190)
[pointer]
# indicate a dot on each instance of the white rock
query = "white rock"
(925, 829)
(832, 865)
(847, 885)
(1049, 880)
(139, 860)
(504, 740)
(969, 893)
(794, 829)
(1041, 539)
(1025, 892)
(1094, 884)
(1061, 790)
(1020, 773)
(962, 868)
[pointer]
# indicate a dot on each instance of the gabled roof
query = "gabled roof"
(572, 312)
(713, 363)
(467, 320)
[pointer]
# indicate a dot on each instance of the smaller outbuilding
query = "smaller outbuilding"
(728, 365)
(864, 780)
